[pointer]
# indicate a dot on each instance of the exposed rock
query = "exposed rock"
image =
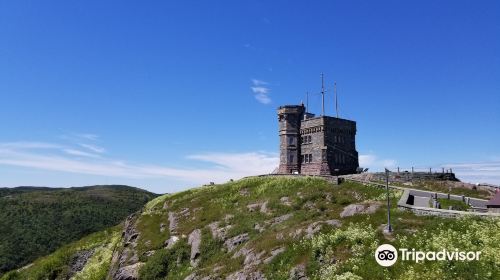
(253, 207)
(274, 253)
(298, 273)
(280, 236)
(263, 208)
(310, 205)
(130, 272)
(372, 208)
(233, 242)
(299, 194)
(228, 217)
(128, 255)
(296, 234)
(184, 212)
(219, 233)
(258, 227)
(244, 192)
(280, 219)
(149, 253)
(169, 243)
(329, 197)
(335, 223)
(165, 205)
(162, 227)
(351, 210)
(251, 258)
(194, 240)
(79, 260)
(172, 220)
(191, 276)
(246, 275)
(286, 201)
(312, 229)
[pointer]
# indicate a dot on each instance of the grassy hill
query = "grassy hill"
(273, 228)
(34, 221)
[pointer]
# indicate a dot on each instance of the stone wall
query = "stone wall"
(427, 211)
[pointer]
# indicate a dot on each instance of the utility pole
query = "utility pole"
(322, 95)
(388, 229)
(336, 99)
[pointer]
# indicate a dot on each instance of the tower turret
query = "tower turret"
(289, 118)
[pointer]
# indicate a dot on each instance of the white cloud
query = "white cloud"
(79, 153)
(88, 136)
(374, 163)
(262, 98)
(261, 91)
(54, 157)
(93, 148)
(257, 82)
(478, 172)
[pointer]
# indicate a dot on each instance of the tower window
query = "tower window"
(291, 158)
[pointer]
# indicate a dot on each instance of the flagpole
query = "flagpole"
(389, 227)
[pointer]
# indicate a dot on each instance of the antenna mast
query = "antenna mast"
(307, 102)
(336, 100)
(322, 95)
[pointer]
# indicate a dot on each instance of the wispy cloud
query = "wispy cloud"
(261, 91)
(93, 148)
(55, 157)
(373, 162)
(477, 172)
(80, 153)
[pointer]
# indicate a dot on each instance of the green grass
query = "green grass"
(56, 265)
(455, 204)
(333, 253)
(37, 221)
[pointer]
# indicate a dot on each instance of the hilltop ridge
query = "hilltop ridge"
(271, 228)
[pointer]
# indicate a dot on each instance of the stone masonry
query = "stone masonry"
(311, 145)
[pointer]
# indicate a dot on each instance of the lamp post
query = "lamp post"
(388, 229)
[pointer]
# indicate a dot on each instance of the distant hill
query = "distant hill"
(272, 228)
(35, 221)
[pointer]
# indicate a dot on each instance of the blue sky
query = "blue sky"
(168, 95)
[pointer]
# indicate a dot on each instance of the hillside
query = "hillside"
(35, 221)
(272, 228)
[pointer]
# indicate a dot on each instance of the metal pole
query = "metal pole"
(336, 100)
(389, 228)
(322, 95)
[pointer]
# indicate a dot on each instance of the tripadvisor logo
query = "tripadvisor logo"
(386, 255)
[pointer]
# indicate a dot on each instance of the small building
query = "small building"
(493, 204)
(313, 145)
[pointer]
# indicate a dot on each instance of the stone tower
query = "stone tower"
(289, 118)
(312, 145)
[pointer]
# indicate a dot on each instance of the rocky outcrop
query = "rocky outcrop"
(274, 253)
(234, 242)
(194, 240)
(285, 200)
(261, 206)
(218, 232)
(246, 275)
(130, 272)
(354, 209)
(79, 260)
(127, 256)
(172, 222)
(298, 273)
(169, 243)
(280, 219)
